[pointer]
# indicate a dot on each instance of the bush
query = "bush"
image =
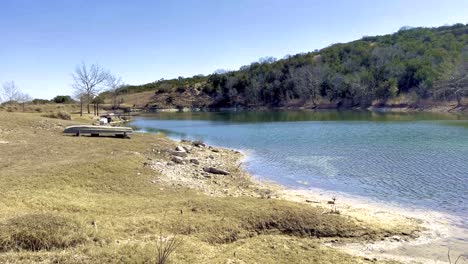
(63, 99)
(59, 115)
(36, 232)
(40, 101)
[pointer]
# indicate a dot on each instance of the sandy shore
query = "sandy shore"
(431, 246)
(436, 233)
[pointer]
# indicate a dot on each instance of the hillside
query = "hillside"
(414, 66)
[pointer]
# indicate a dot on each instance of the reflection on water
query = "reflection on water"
(416, 159)
(305, 115)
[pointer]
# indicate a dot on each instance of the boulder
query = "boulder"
(182, 154)
(194, 161)
(213, 170)
(180, 149)
(177, 160)
(198, 144)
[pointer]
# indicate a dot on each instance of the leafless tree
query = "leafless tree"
(113, 83)
(307, 80)
(88, 81)
(456, 85)
(23, 98)
(80, 97)
(10, 92)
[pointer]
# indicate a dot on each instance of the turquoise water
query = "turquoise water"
(418, 160)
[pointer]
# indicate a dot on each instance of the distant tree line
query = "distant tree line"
(423, 62)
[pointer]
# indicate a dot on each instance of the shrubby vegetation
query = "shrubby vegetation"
(421, 62)
(58, 115)
(63, 99)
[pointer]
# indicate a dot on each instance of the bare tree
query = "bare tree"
(307, 80)
(88, 81)
(10, 92)
(113, 83)
(456, 85)
(23, 98)
(81, 98)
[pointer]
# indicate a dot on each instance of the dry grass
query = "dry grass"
(137, 99)
(35, 232)
(97, 201)
(41, 108)
(59, 115)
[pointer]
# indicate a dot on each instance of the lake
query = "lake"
(417, 160)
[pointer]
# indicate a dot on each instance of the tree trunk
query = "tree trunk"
(81, 107)
(97, 109)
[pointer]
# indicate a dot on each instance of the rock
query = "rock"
(198, 144)
(194, 161)
(211, 157)
(312, 201)
(213, 170)
(215, 150)
(170, 164)
(182, 154)
(180, 149)
(177, 160)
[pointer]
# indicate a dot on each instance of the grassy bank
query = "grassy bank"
(71, 199)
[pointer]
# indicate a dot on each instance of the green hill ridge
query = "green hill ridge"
(411, 65)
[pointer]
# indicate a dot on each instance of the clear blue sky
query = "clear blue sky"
(142, 41)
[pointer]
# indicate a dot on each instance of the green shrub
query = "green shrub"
(36, 232)
(63, 99)
(40, 101)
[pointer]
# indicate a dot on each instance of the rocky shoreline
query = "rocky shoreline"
(218, 172)
(210, 170)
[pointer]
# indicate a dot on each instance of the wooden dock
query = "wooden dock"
(98, 130)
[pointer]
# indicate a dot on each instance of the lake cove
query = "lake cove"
(416, 161)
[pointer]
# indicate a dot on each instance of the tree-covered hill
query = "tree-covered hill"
(416, 63)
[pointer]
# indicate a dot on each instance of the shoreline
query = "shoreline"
(441, 108)
(436, 230)
(440, 229)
